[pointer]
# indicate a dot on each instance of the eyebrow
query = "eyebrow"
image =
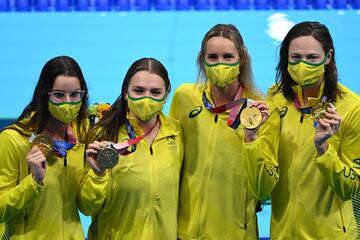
(157, 88)
(309, 54)
(60, 90)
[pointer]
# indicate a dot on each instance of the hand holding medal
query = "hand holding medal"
(252, 117)
(36, 158)
(328, 123)
(254, 114)
(43, 142)
(108, 157)
(91, 156)
(319, 110)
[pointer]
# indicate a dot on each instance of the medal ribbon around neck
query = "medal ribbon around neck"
(61, 147)
(233, 119)
(122, 147)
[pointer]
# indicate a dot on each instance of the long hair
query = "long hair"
(230, 32)
(321, 33)
(36, 113)
(108, 127)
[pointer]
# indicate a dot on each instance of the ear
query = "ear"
(126, 96)
(329, 56)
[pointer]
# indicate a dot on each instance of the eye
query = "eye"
(75, 94)
(295, 56)
(138, 90)
(312, 57)
(156, 92)
(228, 56)
(212, 56)
(58, 94)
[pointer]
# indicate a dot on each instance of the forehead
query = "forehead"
(220, 44)
(63, 82)
(147, 80)
(305, 45)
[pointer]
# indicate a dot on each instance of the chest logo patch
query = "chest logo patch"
(283, 112)
(171, 142)
(197, 110)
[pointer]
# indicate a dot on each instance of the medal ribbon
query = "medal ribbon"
(233, 119)
(121, 147)
(307, 110)
(61, 147)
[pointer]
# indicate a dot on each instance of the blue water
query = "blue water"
(105, 44)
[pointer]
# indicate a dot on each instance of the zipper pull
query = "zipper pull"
(216, 118)
(302, 117)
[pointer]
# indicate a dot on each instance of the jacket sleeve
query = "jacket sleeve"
(341, 168)
(92, 191)
(261, 157)
(16, 194)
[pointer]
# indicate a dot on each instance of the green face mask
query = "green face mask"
(222, 74)
(145, 108)
(65, 112)
(305, 73)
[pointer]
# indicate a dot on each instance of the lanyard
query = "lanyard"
(122, 147)
(233, 119)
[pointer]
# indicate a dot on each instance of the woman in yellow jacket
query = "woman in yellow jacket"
(142, 197)
(227, 168)
(42, 158)
(319, 155)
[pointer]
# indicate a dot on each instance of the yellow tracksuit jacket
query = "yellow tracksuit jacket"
(142, 197)
(311, 199)
(222, 176)
(30, 211)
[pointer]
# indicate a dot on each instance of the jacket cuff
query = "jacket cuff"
(98, 179)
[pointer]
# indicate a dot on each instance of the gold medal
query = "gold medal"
(250, 117)
(108, 157)
(319, 110)
(44, 143)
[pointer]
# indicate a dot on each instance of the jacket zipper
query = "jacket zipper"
(293, 218)
(153, 190)
(302, 117)
(204, 180)
(342, 217)
(245, 216)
